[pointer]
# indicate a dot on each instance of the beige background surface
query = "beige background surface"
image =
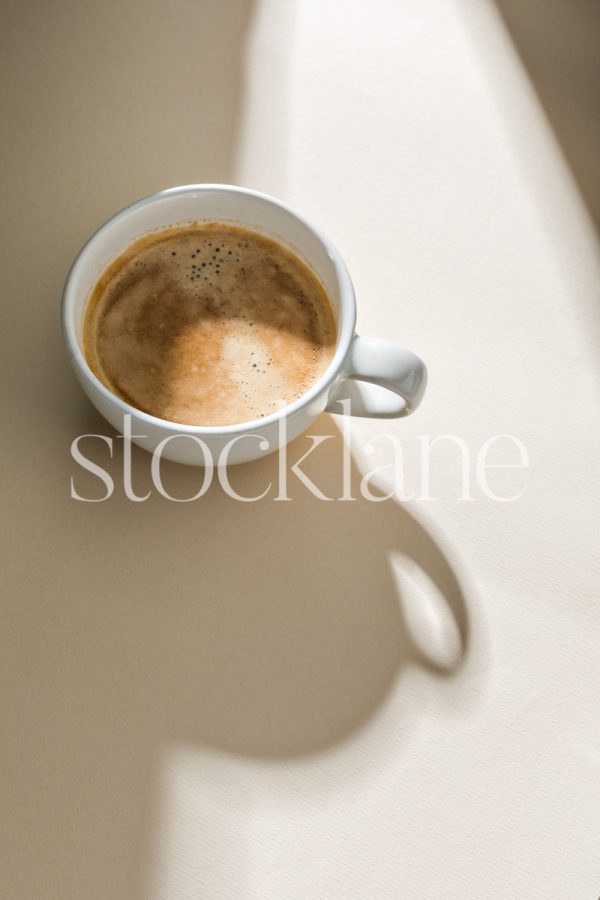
(324, 700)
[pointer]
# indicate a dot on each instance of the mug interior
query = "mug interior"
(238, 206)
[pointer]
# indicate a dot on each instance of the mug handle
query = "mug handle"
(370, 365)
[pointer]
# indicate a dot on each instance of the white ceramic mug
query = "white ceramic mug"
(379, 378)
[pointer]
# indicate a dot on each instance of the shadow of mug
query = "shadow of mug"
(271, 628)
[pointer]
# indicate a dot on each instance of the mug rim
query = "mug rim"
(345, 326)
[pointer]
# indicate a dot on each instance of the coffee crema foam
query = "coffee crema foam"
(208, 324)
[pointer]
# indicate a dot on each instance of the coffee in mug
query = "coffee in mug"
(208, 324)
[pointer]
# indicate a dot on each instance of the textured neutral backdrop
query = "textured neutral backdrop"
(312, 700)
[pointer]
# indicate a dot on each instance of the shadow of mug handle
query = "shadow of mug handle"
(380, 379)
